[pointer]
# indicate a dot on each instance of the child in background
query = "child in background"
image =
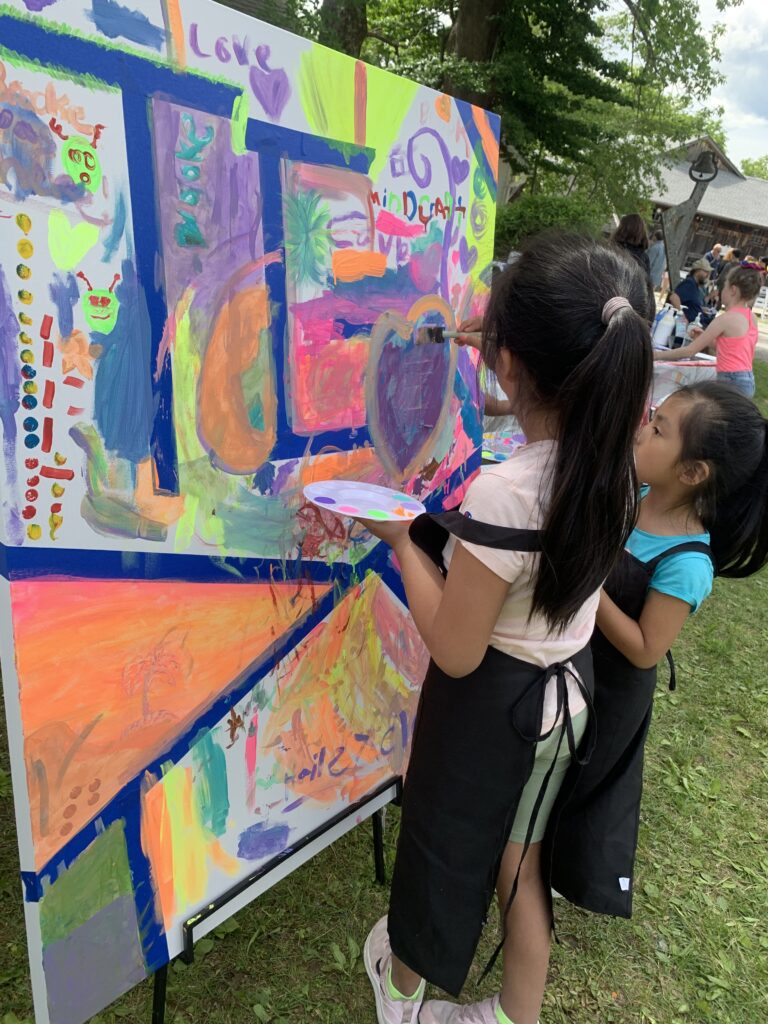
(505, 705)
(704, 511)
(733, 333)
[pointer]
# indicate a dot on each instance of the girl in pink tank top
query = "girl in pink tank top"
(733, 333)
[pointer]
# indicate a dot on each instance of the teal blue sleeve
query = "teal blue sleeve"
(687, 576)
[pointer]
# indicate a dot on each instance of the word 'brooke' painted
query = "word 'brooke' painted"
(215, 248)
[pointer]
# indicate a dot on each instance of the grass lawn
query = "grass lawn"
(695, 951)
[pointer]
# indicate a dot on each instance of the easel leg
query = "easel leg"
(378, 846)
(158, 997)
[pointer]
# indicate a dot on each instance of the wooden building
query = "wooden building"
(734, 210)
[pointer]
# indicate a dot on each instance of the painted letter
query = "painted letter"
(193, 41)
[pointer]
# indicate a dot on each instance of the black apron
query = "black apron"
(592, 838)
(473, 751)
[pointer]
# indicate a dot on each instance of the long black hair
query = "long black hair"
(724, 429)
(547, 309)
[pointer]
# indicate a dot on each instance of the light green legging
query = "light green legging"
(545, 752)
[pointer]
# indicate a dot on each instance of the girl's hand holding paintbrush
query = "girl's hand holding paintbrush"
(433, 334)
(470, 332)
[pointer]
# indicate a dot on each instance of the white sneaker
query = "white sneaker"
(437, 1011)
(377, 957)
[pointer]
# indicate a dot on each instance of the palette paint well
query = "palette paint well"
(362, 500)
(497, 447)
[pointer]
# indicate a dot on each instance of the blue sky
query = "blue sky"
(745, 65)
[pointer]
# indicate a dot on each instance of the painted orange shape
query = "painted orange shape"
(111, 671)
(239, 428)
(354, 265)
(443, 107)
(489, 141)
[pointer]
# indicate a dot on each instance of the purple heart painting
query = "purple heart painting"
(467, 255)
(271, 88)
(459, 169)
(408, 390)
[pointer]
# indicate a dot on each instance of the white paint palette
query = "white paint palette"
(498, 446)
(362, 500)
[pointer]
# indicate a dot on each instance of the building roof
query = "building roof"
(731, 196)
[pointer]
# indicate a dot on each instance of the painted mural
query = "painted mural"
(215, 247)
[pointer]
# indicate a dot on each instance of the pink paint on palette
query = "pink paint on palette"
(363, 500)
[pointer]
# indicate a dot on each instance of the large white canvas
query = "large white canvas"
(200, 668)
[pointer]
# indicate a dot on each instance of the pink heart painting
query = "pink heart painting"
(408, 388)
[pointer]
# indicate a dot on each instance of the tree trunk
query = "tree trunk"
(473, 38)
(344, 25)
(477, 28)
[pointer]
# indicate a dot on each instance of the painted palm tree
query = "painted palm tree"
(307, 237)
(167, 664)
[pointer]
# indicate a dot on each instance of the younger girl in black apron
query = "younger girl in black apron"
(705, 459)
(503, 703)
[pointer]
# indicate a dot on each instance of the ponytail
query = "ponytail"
(546, 309)
(725, 430)
(593, 505)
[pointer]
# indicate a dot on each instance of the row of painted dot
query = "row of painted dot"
(26, 249)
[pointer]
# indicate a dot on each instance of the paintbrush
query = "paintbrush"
(435, 335)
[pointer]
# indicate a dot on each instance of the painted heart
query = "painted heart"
(467, 256)
(408, 391)
(69, 245)
(459, 169)
(272, 89)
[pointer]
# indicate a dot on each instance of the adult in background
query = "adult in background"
(632, 237)
(714, 257)
(691, 294)
(657, 259)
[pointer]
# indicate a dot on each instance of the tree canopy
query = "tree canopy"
(757, 167)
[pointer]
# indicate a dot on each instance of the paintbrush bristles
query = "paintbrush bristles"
(430, 335)
(435, 335)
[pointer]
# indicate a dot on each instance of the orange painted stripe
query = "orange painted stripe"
(353, 265)
(490, 145)
(177, 42)
(361, 102)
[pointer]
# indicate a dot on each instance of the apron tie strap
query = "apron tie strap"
(672, 673)
(560, 671)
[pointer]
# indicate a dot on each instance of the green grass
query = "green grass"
(695, 952)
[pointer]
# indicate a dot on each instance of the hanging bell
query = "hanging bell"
(704, 167)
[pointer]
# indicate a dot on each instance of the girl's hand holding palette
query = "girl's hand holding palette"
(361, 500)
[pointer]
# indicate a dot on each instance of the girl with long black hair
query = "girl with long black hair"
(504, 593)
(703, 512)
